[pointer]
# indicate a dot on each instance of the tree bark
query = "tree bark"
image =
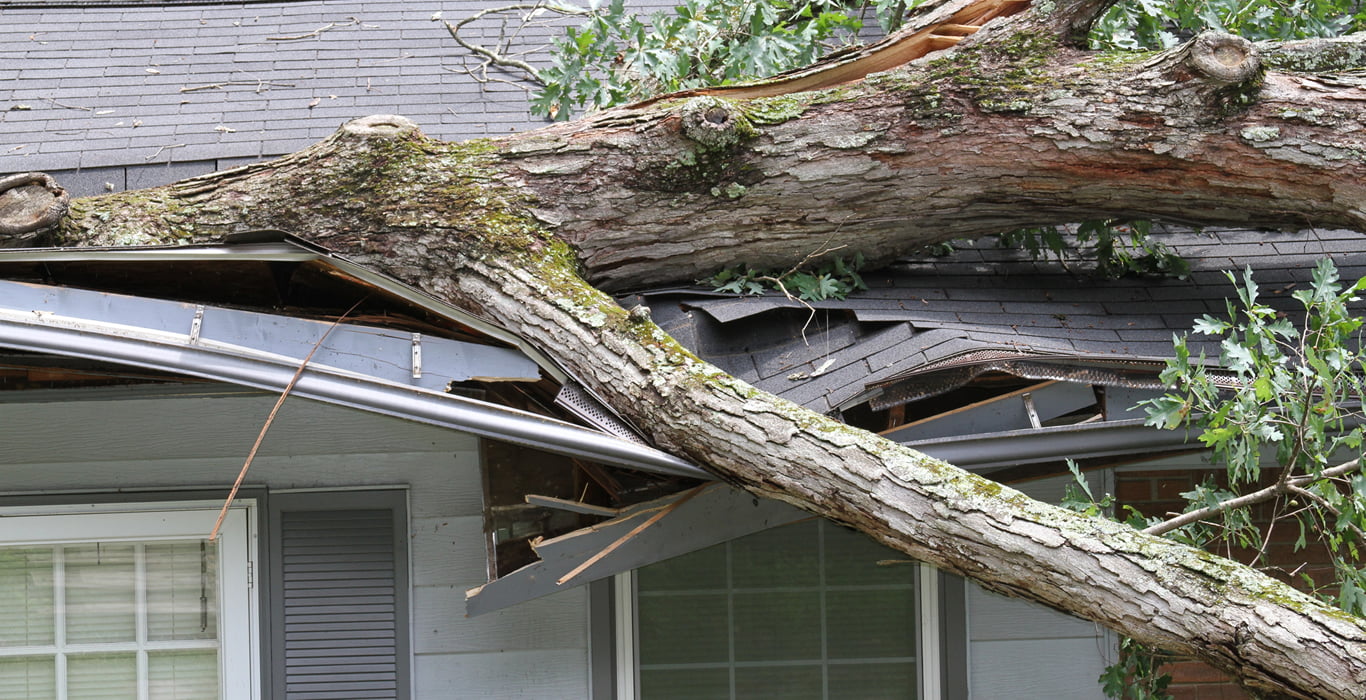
(1011, 127)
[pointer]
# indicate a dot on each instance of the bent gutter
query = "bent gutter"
(173, 352)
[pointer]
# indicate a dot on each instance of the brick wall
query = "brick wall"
(1157, 493)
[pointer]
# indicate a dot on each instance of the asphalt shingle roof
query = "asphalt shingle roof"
(86, 87)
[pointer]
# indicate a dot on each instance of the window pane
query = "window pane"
(892, 681)
(29, 678)
(705, 568)
(185, 675)
(182, 581)
(778, 683)
(26, 604)
(102, 677)
(777, 626)
(99, 593)
(870, 624)
(680, 629)
(781, 557)
(689, 684)
(851, 559)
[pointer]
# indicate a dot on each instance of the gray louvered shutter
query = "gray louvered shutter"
(342, 623)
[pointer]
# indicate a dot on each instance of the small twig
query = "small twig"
(822, 249)
(351, 22)
(1265, 494)
(55, 103)
(261, 85)
(270, 419)
(498, 58)
(1323, 503)
(163, 148)
(626, 537)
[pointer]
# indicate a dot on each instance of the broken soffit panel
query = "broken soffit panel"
(639, 535)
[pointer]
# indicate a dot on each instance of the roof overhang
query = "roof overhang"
(373, 369)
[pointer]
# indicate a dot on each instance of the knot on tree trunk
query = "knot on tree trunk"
(1224, 58)
(380, 126)
(714, 123)
(29, 203)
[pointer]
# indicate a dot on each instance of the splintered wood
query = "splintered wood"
(942, 28)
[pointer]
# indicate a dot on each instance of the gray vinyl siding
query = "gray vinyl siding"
(1018, 649)
(139, 439)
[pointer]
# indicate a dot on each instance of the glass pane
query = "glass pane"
(679, 629)
(26, 605)
(29, 678)
(689, 684)
(864, 681)
(184, 675)
(781, 557)
(101, 677)
(182, 585)
(99, 593)
(779, 683)
(777, 626)
(870, 624)
(705, 568)
(851, 559)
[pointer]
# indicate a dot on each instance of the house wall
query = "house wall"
(1019, 649)
(147, 439)
(1154, 488)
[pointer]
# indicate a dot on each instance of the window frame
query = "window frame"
(159, 521)
(931, 635)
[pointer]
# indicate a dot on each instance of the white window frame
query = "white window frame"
(238, 625)
(928, 635)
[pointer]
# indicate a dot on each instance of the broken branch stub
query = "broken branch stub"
(29, 203)
(1224, 58)
(713, 123)
(381, 126)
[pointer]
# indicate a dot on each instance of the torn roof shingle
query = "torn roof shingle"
(93, 86)
(926, 312)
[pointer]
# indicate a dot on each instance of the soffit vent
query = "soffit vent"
(578, 401)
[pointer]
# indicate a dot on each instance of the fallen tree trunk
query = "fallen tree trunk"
(1010, 127)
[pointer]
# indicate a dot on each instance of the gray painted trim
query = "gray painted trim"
(400, 357)
(718, 514)
(394, 500)
(601, 641)
(1084, 441)
(56, 331)
(953, 637)
(1006, 412)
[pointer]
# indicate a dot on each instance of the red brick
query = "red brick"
(1131, 491)
(1186, 672)
(1173, 486)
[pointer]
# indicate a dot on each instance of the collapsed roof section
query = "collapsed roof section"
(929, 325)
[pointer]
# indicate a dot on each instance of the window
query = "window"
(130, 604)
(801, 611)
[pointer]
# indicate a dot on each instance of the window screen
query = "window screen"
(101, 616)
(802, 611)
